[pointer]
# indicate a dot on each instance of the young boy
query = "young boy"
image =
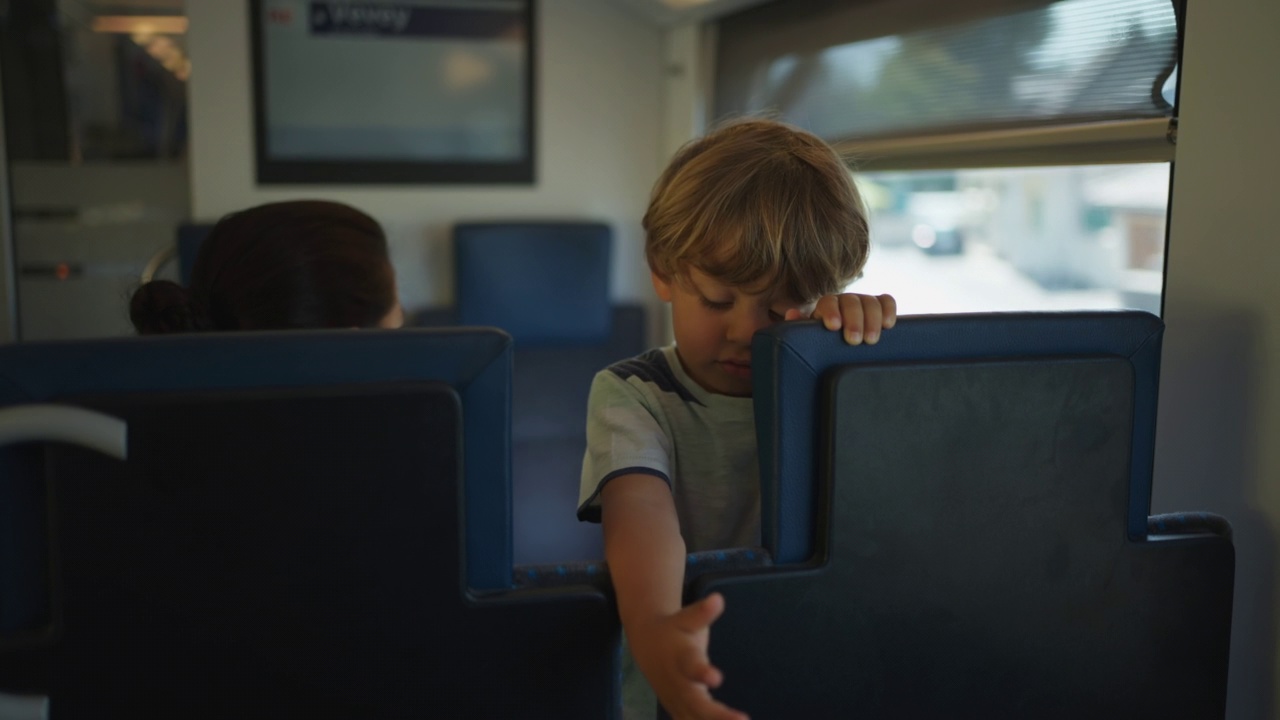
(753, 224)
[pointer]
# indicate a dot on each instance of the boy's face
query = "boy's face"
(713, 325)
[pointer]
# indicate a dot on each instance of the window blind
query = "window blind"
(933, 83)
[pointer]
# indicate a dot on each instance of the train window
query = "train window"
(1014, 154)
(1045, 238)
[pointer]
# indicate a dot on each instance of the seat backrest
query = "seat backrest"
(476, 362)
(545, 283)
(190, 237)
(550, 387)
(791, 360)
(974, 483)
(287, 537)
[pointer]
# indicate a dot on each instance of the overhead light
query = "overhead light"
(140, 24)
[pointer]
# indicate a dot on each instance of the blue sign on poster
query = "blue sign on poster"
(390, 19)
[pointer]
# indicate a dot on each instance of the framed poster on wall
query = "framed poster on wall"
(412, 91)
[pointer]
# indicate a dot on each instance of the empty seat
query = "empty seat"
(547, 284)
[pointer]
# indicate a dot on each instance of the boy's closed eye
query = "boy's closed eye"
(727, 305)
(724, 306)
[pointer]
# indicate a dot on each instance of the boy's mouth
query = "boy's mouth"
(737, 369)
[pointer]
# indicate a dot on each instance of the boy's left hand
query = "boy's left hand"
(862, 317)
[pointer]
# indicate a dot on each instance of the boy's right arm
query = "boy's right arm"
(646, 556)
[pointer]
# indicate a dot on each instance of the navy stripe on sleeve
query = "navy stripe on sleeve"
(652, 367)
(591, 513)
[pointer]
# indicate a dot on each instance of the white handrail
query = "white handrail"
(157, 261)
(61, 423)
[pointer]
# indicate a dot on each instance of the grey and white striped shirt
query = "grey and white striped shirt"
(646, 415)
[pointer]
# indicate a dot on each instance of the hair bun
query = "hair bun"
(161, 307)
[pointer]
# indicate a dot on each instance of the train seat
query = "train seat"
(959, 520)
(190, 237)
(308, 523)
(547, 284)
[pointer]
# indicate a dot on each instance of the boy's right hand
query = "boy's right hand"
(672, 654)
(862, 317)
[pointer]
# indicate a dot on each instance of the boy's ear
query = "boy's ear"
(660, 286)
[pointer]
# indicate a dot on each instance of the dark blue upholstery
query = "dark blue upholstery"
(190, 236)
(542, 282)
(592, 571)
(790, 360)
(299, 550)
(548, 434)
(972, 485)
(547, 284)
(477, 362)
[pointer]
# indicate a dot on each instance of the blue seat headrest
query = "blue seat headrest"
(476, 363)
(545, 283)
(791, 360)
(190, 237)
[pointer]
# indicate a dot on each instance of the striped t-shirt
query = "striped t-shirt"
(646, 415)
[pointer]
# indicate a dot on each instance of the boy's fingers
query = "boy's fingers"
(702, 705)
(720, 711)
(699, 616)
(828, 311)
(696, 667)
(851, 308)
(889, 307)
(872, 318)
(793, 314)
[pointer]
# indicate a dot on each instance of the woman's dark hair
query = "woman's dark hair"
(284, 265)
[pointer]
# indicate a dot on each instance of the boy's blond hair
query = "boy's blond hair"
(761, 205)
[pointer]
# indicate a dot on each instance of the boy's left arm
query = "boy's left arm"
(862, 317)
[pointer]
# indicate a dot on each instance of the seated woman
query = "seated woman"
(279, 266)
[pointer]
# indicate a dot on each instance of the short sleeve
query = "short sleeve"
(624, 436)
